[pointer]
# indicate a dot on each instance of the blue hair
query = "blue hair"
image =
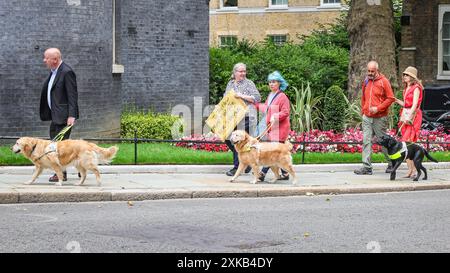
(276, 76)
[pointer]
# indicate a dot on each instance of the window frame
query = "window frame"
(279, 6)
(272, 36)
(226, 36)
(331, 5)
(442, 75)
(222, 7)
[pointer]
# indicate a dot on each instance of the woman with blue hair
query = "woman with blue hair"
(277, 111)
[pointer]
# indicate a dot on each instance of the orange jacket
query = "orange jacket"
(378, 93)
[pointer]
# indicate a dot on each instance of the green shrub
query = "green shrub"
(148, 125)
(305, 114)
(321, 58)
(334, 109)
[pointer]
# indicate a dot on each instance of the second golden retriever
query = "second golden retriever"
(81, 154)
(253, 153)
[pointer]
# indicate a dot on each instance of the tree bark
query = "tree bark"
(371, 33)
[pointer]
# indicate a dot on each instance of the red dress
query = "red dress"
(410, 132)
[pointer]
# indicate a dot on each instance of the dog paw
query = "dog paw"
(59, 184)
(28, 182)
(253, 181)
(273, 180)
(231, 180)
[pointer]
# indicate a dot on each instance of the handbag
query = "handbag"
(407, 116)
(262, 124)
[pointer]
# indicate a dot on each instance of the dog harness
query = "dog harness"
(51, 148)
(248, 147)
(398, 154)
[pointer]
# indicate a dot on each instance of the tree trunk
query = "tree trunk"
(371, 33)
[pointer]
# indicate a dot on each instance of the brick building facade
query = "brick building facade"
(425, 40)
(146, 54)
(277, 19)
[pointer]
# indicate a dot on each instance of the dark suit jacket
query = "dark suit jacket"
(64, 96)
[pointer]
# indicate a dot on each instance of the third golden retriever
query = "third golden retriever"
(253, 153)
(81, 154)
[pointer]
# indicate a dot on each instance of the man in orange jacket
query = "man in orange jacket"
(377, 96)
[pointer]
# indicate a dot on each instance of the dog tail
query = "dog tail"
(429, 156)
(289, 145)
(107, 154)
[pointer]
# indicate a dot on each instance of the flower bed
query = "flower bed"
(350, 135)
(203, 146)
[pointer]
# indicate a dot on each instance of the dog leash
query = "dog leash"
(399, 129)
(62, 133)
(57, 138)
(264, 132)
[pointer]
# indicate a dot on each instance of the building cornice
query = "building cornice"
(259, 10)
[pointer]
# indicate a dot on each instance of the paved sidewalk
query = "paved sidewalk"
(147, 182)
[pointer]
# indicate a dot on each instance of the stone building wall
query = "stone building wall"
(254, 20)
(162, 45)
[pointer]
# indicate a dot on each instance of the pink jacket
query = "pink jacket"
(280, 109)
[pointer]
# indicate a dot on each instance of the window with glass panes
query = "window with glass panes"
(230, 3)
(278, 39)
(279, 2)
(331, 1)
(446, 42)
(227, 41)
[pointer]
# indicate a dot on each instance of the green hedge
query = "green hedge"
(334, 109)
(322, 66)
(148, 125)
(321, 58)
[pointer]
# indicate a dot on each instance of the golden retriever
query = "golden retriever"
(253, 153)
(81, 154)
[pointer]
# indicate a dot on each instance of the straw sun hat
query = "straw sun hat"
(411, 71)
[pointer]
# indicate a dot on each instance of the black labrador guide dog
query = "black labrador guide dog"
(399, 151)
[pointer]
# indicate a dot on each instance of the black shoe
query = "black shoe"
(231, 172)
(55, 178)
(284, 177)
(261, 177)
(363, 171)
(248, 169)
(389, 169)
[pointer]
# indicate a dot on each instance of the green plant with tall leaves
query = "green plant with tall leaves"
(353, 116)
(305, 112)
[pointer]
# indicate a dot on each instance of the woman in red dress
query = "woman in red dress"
(412, 98)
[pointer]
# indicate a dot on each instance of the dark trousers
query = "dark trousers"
(56, 128)
(266, 169)
(231, 146)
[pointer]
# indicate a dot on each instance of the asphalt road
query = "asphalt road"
(388, 222)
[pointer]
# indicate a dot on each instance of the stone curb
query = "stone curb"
(24, 196)
(198, 169)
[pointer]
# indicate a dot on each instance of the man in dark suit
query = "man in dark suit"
(59, 97)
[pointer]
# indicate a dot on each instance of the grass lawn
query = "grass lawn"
(163, 153)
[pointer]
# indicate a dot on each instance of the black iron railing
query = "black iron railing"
(303, 144)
